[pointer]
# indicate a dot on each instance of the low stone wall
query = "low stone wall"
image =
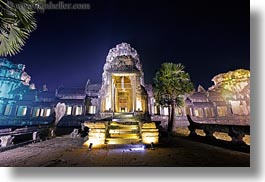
(234, 133)
(234, 129)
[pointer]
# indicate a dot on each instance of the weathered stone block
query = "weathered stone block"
(75, 133)
(6, 140)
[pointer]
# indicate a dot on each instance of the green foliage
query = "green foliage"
(16, 23)
(171, 82)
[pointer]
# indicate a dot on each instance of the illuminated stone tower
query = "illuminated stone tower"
(12, 78)
(122, 88)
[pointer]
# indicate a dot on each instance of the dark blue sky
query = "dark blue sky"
(69, 47)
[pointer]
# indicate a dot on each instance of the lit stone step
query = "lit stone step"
(125, 135)
(150, 134)
(124, 128)
(121, 141)
(97, 135)
(97, 130)
(149, 125)
(124, 123)
(98, 125)
(123, 131)
(125, 119)
(123, 115)
(149, 130)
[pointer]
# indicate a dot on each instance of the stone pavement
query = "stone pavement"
(69, 152)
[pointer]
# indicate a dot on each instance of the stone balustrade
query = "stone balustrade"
(234, 133)
(6, 140)
(20, 135)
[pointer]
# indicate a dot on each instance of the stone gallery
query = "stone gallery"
(122, 109)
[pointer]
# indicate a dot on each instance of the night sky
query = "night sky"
(69, 47)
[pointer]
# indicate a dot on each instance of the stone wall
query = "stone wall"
(227, 102)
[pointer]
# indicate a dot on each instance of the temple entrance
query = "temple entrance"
(123, 104)
(123, 100)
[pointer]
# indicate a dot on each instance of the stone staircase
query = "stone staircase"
(127, 115)
(123, 129)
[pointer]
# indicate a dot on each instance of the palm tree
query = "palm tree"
(16, 23)
(171, 83)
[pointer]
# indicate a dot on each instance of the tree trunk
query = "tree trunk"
(171, 117)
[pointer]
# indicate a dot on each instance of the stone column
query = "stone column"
(133, 82)
(109, 90)
(112, 95)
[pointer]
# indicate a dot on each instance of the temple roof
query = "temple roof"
(122, 59)
(93, 87)
(70, 91)
(123, 49)
(6, 63)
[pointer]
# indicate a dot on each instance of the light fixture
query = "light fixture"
(152, 146)
(90, 147)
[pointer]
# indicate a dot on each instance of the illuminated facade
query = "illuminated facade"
(121, 92)
(12, 77)
(21, 104)
(226, 102)
(123, 82)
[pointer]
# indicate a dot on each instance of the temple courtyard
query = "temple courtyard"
(70, 152)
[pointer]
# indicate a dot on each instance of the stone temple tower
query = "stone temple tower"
(123, 102)
(122, 88)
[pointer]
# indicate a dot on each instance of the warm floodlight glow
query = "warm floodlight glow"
(222, 136)
(148, 140)
(246, 139)
(165, 111)
(94, 142)
(48, 112)
(232, 82)
(68, 110)
(150, 133)
(96, 135)
(90, 146)
(108, 104)
(138, 105)
(200, 132)
(78, 110)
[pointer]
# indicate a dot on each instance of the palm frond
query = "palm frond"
(17, 22)
(171, 81)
